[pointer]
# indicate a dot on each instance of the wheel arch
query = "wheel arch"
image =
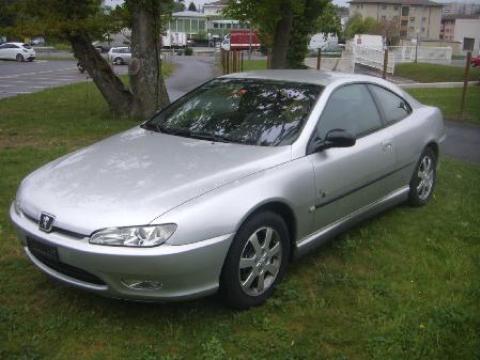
(282, 209)
(435, 147)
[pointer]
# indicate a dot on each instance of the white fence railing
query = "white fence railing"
(372, 57)
(439, 55)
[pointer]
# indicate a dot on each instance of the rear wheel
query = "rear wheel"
(19, 58)
(256, 261)
(423, 179)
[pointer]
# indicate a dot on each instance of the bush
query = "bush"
(188, 51)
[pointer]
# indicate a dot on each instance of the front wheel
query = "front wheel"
(423, 179)
(256, 261)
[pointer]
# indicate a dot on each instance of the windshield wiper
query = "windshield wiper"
(187, 133)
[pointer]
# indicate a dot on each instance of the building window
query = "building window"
(215, 25)
(384, 18)
(404, 22)
(412, 19)
(423, 29)
(384, 7)
(405, 10)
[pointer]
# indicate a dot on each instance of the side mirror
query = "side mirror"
(334, 139)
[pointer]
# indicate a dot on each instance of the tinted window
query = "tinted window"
(26, 46)
(249, 111)
(393, 106)
(350, 108)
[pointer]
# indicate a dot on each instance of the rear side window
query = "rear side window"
(394, 107)
(350, 108)
(26, 46)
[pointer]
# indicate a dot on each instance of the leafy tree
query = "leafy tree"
(358, 25)
(284, 25)
(192, 6)
(178, 6)
(81, 22)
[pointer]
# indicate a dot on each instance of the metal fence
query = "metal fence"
(429, 54)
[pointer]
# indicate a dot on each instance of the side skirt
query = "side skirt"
(326, 233)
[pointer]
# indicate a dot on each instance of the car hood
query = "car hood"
(136, 176)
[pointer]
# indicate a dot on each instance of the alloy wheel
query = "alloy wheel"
(426, 174)
(260, 261)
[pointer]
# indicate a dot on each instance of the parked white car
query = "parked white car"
(120, 55)
(17, 51)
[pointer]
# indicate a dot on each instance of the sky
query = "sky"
(338, 2)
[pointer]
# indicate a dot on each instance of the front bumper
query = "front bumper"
(182, 272)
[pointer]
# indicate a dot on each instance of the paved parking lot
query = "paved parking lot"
(24, 78)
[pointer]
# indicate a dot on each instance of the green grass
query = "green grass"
(448, 100)
(434, 72)
(252, 65)
(404, 285)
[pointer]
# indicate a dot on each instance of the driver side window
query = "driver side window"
(350, 108)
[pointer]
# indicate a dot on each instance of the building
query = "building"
(201, 25)
(420, 18)
(214, 8)
(464, 29)
(461, 8)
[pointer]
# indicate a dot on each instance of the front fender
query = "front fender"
(223, 210)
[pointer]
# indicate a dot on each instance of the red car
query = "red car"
(476, 61)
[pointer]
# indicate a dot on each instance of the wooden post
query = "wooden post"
(385, 63)
(228, 62)
(319, 58)
(241, 61)
(222, 60)
(465, 84)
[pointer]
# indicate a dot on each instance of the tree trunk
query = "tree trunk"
(145, 70)
(281, 38)
(118, 97)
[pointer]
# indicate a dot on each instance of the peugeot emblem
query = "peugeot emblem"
(46, 222)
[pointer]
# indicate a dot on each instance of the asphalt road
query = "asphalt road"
(25, 78)
(463, 140)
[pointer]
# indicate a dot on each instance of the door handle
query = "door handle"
(387, 145)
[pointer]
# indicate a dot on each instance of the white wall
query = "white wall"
(469, 28)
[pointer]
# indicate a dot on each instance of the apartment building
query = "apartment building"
(464, 29)
(420, 18)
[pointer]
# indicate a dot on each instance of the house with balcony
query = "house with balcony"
(415, 18)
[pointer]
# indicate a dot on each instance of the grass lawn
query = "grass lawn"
(434, 72)
(252, 65)
(404, 285)
(448, 100)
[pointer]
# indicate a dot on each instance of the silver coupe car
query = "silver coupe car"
(223, 188)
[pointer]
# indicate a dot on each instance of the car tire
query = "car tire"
(19, 58)
(256, 262)
(423, 179)
(118, 61)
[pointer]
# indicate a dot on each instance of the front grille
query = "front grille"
(44, 253)
(57, 229)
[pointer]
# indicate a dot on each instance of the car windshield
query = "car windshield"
(248, 111)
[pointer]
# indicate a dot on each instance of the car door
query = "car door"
(5, 51)
(348, 179)
(397, 116)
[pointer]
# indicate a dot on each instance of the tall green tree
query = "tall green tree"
(192, 6)
(81, 22)
(285, 25)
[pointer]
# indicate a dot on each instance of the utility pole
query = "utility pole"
(465, 84)
(416, 48)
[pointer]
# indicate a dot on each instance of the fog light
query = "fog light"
(142, 284)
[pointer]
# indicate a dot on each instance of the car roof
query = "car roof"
(14, 43)
(322, 78)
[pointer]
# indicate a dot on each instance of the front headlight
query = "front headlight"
(134, 236)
